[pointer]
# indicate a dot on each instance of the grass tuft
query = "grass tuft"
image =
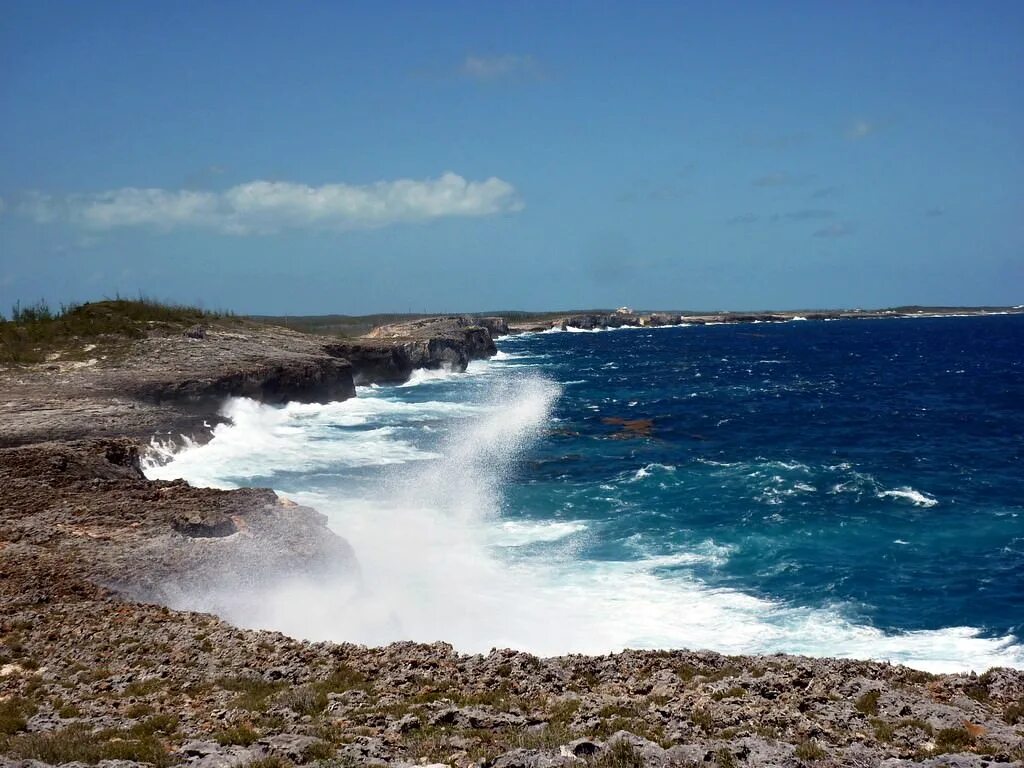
(867, 704)
(14, 714)
(809, 750)
(77, 743)
(621, 754)
(36, 329)
(242, 735)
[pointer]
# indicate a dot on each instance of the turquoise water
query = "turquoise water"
(847, 488)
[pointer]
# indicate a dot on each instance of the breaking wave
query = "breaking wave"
(419, 488)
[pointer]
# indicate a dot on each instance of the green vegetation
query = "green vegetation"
(14, 714)
(303, 700)
(884, 731)
(867, 704)
(703, 719)
(953, 739)
(67, 711)
(1014, 713)
(621, 754)
(725, 759)
(35, 330)
(253, 692)
(809, 750)
(144, 687)
(242, 735)
(269, 762)
(78, 743)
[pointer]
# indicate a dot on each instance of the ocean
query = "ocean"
(849, 488)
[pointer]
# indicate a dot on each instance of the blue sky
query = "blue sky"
(356, 157)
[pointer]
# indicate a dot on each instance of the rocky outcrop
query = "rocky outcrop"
(172, 383)
(87, 503)
(392, 352)
(165, 382)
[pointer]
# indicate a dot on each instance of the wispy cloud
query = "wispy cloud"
(810, 214)
(781, 179)
(743, 218)
(265, 207)
(823, 192)
(658, 190)
(836, 230)
(506, 66)
(860, 129)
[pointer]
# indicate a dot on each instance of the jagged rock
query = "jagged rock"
(532, 758)
(203, 524)
(581, 748)
(405, 724)
(291, 746)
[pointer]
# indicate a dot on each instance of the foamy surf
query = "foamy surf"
(420, 490)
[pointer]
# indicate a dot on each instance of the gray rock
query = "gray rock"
(581, 748)
(531, 758)
(292, 746)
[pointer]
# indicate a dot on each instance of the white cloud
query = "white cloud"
(860, 129)
(488, 68)
(263, 207)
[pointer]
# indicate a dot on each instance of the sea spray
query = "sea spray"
(495, 530)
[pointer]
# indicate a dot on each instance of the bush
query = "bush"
(253, 691)
(867, 704)
(303, 700)
(953, 739)
(620, 754)
(1014, 713)
(808, 750)
(242, 735)
(77, 743)
(14, 714)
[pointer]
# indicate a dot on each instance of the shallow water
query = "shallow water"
(846, 488)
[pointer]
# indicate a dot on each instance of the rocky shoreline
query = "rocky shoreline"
(96, 666)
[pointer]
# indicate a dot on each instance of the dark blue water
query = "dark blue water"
(847, 488)
(874, 465)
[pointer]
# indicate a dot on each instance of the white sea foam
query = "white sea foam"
(515, 533)
(648, 469)
(909, 494)
(259, 440)
(431, 375)
(438, 561)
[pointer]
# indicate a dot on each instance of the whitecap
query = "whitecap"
(909, 494)
(516, 533)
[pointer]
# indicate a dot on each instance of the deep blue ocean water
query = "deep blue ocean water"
(853, 487)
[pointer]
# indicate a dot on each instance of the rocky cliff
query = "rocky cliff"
(392, 352)
(173, 382)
